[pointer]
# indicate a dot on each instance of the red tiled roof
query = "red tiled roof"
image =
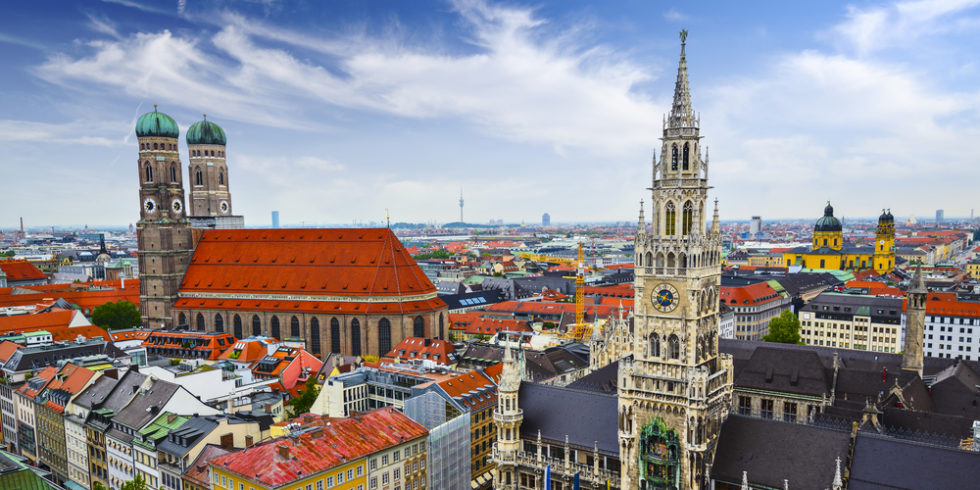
(46, 374)
(331, 444)
(171, 343)
(480, 390)
(751, 294)
(132, 334)
(21, 270)
(7, 349)
(875, 287)
(86, 295)
(325, 307)
(247, 351)
(71, 379)
(480, 323)
(624, 291)
(546, 308)
(198, 472)
(948, 305)
(438, 351)
(359, 262)
(56, 322)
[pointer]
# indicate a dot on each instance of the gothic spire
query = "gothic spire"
(715, 224)
(681, 112)
(641, 225)
(918, 285)
(838, 481)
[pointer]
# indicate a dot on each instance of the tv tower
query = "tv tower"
(461, 205)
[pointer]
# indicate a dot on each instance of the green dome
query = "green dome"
(828, 222)
(157, 124)
(205, 133)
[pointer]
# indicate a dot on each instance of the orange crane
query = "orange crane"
(580, 288)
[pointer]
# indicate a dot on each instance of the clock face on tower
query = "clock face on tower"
(665, 298)
(177, 206)
(149, 205)
(223, 207)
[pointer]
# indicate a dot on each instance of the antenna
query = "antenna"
(388, 217)
(461, 205)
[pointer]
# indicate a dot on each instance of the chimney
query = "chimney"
(283, 451)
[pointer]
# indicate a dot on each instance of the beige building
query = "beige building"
(853, 321)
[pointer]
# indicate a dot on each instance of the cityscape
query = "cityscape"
(476, 245)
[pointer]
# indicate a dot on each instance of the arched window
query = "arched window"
(384, 336)
(688, 218)
(315, 336)
(649, 261)
(200, 322)
(221, 177)
(675, 347)
(274, 326)
(687, 149)
(355, 337)
(334, 336)
(181, 320)
(673, 157)
(198, 177)
(670, 219)
(237, 326)
(654, 345)
(256, 326)
(442, 327)
(219, 323)
(418, 327)
(154, 146)
(149, 172)
(173, 172)
(294, 328)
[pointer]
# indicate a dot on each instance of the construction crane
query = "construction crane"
(580, 288)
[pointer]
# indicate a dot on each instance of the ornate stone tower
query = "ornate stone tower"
(675, 389)
(884, 254)
(912, 351)
(508, 417)
(163, 231)
(207, 169)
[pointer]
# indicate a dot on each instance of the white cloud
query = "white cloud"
(103, 25)
(870, 29)
(674, 16)
(90, 133)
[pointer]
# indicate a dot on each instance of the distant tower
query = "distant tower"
(22, 227)
(939, 218)
(461, 206)
(884, 254)
(508, 417)
(207, 169)
(545, 219)
(275, 219)
(912, 352)
(163, 233)
(755, 226)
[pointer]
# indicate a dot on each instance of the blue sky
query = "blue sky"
(336, 110)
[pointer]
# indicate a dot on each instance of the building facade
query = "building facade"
(853, 321)
(828, 250)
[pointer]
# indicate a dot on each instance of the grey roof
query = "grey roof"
(538, 365)
(848, 305)
(32, 358)
(602, 380)
(179, 441)
(881, 462)
(772, 370)
(470, 300)
(96, 392)
(772, 451)
(794, 284)
(147, 406)
(558, 412)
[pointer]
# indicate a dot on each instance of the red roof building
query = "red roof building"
(354, 291)
(187, 345)
(755, 305)
(291, 366)
(473, 324)
(333, 443)
(84, 296)
(22, 273)
(415, 348)
(63, 325)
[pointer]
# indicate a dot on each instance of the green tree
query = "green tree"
(302, 403)
(137, 483)
(99, 486)
(784, 329)
(116, 315)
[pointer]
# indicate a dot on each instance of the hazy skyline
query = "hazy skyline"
(336, 111)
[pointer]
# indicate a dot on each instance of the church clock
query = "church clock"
(665, 298)
(149, 205)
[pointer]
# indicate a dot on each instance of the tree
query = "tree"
(99, 486)
(302, 403)
(784, 329)
(116, 314)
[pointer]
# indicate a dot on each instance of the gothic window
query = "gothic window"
(155, 146)
(654, 345)
(200, 322)
(670, 221)
(673, 158)
(649, 262)
(149, 172)
(181, 320)
(219, 323)
(198, 177)
(237, 326)
(418, 327)
(688, 218)
(256, 326)
(221, 177)
(294, 328)
(675, 347)
(173, 172)
(315, 336)
(384, 336)
(274, 326)
(334, 336)
(687, 149)
(355, 337)
(670, 260)
(442, 326)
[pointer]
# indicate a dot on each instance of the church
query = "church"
(829, 252)
(351, 291)
(669, 406)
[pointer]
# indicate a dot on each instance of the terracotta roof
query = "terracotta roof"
(344, 263)
(199, 472)
(438, 351)
(21, 270)
(546, 308)
(326, 307)
(131, 334)
(751, 294)
(171, 343)
(245, 351)
(35, 321)
(86, 295)
(474, 389)
(338, 441)
(70, 379)
(479, 323)
(30, 389)
(7, 349)
(624, 291)
(947, 304)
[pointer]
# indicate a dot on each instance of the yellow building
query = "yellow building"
(827, 250)
(973, 268)
(382, 445)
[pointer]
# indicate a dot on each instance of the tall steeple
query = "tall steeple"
(681, 112)
(715, 224)
(641, 225)
(915, 323)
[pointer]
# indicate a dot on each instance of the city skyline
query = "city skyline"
(334, 116)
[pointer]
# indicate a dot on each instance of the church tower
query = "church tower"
(163, 231)
(675, 389)
(207, 170)
(508, 417)
(914, 327)
(884, 254)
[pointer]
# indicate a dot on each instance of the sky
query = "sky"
(337, 111)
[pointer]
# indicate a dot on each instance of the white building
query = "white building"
(952, 327)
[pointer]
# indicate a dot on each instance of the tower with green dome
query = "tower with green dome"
(208, 171)
(163, 230)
